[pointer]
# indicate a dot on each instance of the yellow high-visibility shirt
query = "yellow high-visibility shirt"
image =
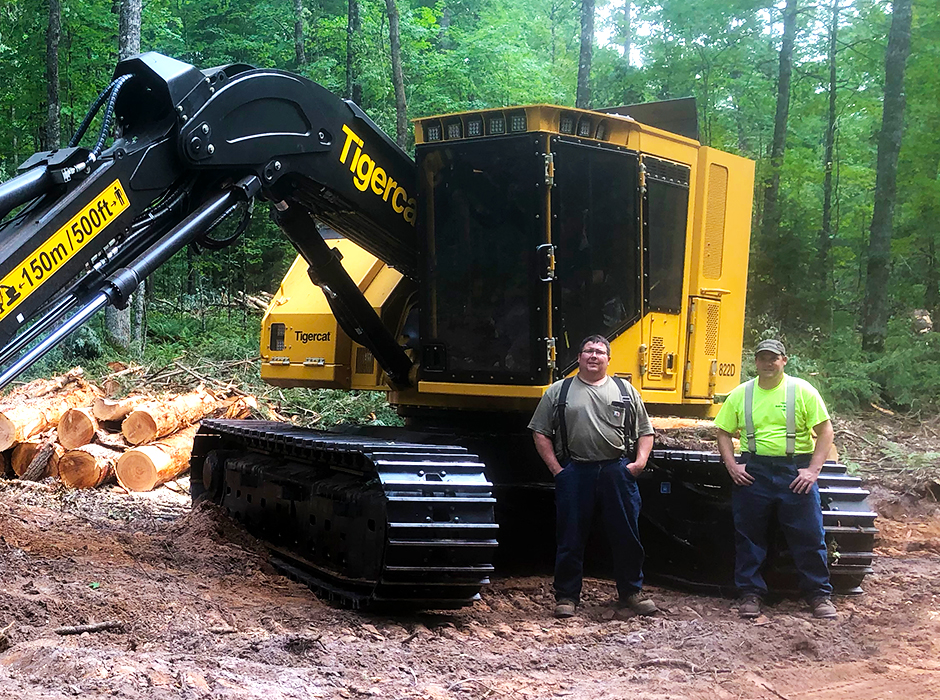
(770, 416)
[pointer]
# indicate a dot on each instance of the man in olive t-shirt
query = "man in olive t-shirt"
(777, 477)
(588, 444)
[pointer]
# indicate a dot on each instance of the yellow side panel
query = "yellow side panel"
(316, 353)
(702, 364)
(721, 236)
(662, 367)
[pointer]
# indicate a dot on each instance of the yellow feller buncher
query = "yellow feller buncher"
(460, 282)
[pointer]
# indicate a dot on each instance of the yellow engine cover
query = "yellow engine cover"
(302, 345)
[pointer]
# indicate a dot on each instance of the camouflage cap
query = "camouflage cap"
(774, 346)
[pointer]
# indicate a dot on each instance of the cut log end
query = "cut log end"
(138, 469)
(139, 427)
(7, 433)
(77, 427)
(87, 467)
(23, 460)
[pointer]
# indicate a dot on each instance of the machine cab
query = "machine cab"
(539, 226)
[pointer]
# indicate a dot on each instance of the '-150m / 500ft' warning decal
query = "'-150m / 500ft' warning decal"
(46, 260)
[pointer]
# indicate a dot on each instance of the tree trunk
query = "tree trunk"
(771, 213)
(16, 141)
(43, 387)
(156, 419)
(22, 420)
(825, 233)
(117, 409)
(34, 460)
(53, 34)
(129, 40)
(77, 427)
(300, 58)
(398, 79)
(139, 319)
(146, 467)
(627, 32)
(932, 278)
(118, 321)
(553, 19)
(87, 466)
(353, 28)
(770, 218)
(583, 98)
(875, 325)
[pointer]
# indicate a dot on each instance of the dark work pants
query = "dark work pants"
(800, 518)
(581, 488)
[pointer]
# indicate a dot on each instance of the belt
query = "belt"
(777, 462)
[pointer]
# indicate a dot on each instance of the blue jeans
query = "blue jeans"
(580, 488)
(800, 518)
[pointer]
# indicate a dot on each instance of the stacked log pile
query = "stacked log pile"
(66, 428)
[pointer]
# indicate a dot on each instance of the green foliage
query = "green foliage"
(324, 408)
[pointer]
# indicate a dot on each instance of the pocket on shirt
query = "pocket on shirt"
(615, 414)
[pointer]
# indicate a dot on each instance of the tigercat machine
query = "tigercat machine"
(461, 283)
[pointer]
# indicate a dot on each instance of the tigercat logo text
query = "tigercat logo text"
(369, 176)
(312, 337)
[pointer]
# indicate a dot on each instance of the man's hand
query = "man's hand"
(546, 450)
(804, 480)
(635, 468)
(739, 473)
(644, 445)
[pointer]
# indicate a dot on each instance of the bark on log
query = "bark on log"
(239, 407)
(87, 466)
(77, 427)
(43, 387)
(20, 421)
(146, 467)
(157, 419)
(117, 409)
(114, 440)
(25, 453)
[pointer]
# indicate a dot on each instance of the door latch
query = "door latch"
(549, 170)
(548, 250)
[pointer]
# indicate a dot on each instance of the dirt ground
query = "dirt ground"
(203, 615)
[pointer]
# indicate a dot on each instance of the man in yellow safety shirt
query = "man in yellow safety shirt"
(777, 415)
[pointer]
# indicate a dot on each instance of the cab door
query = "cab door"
(665, 213)
(595, 231)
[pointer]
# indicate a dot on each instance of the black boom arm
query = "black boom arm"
(84, 226)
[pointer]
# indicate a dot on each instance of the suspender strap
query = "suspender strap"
(629, 420)
(790, 390)
(560, 409)
(791, 417)
(749, 417)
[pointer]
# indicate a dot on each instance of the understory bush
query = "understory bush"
(905, 376)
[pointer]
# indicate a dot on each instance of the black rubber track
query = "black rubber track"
(689, 536)
(366, 521)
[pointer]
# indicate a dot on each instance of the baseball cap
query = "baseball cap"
(774, 346)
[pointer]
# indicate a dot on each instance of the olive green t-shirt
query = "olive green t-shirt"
(594, 418)
(770, 417)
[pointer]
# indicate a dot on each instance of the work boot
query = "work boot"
(639, 604)
(823, 608)
(750, 606)
(565, 607)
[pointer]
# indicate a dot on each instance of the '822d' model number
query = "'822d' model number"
(727, 369)
(91, 220)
